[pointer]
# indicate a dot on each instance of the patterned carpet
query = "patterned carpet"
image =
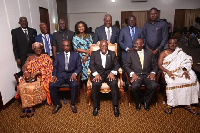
(129, 121)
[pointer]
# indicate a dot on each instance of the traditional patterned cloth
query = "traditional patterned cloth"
(38, 91)
(83, 42)
(180, 91)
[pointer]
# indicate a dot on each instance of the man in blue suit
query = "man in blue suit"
(45, 39)
(128, 35)
(106, 31)
(67, 66)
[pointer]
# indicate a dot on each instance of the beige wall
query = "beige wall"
(10, 11)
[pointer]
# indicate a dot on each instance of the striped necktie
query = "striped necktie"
(141, 58)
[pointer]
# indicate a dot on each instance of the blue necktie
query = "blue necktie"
(47, 46)
(132, 33)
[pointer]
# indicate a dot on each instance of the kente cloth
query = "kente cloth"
(180, 91)
(30, 92)
(83, 42)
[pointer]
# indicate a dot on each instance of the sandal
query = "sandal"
(24, 113)
(30, 113)
(168, 109)
(192, 110)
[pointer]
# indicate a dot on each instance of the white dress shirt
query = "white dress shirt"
(103, 59)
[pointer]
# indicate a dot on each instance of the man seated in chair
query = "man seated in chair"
(104, 67)
(67, 66)
(142, 67)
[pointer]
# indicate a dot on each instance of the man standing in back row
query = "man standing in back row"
(60, 36)
(155, 33)
(22, 39)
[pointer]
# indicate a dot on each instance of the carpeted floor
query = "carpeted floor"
(129, 121)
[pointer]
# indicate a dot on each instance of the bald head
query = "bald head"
(107, 20)
(103, 46)
(44, 28)
(66, 46)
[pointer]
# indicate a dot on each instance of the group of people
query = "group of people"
(47, 61)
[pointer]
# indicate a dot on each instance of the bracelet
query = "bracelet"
(25, 71)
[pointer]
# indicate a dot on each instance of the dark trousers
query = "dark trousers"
(151, 86)
(96, 91)
(54, 89)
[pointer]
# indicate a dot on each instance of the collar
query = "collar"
(131, 27)
(157, 20)
(68, 53)
(24, 29)
(104, 54)
(141, 51)
(61, 31)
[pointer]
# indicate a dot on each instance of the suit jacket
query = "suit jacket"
(125, 39)
(132, 63)
(100, 34)
(21, 46)
(38, 38)
(96, 63)
(74, 65)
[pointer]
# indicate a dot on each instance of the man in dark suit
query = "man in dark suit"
(22, 39)
(104, 67)
(67, 66)
(106, 31)
(45, 39)
(60, 36)
(142, 67)
(128, 35)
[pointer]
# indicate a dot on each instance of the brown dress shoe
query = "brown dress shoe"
(74, 109)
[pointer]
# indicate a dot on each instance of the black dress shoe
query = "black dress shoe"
(146, 106)
(74, 109)
(55, 110)
(138, 107)
(95, 111)
(116, 111)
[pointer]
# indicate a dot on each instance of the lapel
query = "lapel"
(104, 36)
(70, 58)
(22, 33)
(145, 58)
(99, 58)
(128, 31)
(137, 59)
(108, 57)
(63, 59)
(113, 33)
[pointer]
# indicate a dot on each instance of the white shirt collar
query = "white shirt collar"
(104, 54)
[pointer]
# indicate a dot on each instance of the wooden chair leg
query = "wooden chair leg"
(129, 96)
(121, 95)
(89, 91)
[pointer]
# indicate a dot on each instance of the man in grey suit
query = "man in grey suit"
(106, 31)
(128, 35)
(142, 67)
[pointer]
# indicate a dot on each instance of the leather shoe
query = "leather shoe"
(138, 106)
(116, 111)
(146, 106)
(95, 111)
(55, 110)
(74, 109)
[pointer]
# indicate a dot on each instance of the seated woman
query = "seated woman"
(182, 84)
(81, 43)
(34, 85)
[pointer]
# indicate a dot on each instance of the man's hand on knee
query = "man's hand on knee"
(97, 78)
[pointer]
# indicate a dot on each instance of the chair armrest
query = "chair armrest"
(160, 73)
(79, 78)
(127, 77)
(120, 74)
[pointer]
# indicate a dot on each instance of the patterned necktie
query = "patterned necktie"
(132, 33)
(26, 33)
(66, 62)
(108, 34)
(141, 58)
(46, 45)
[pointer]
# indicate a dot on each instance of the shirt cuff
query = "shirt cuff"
(76, 74)
(114, 72)
(153, 73)
(127, 49)
(94, 73)
(131, 74)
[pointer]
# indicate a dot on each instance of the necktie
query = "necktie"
(47, 46)
(66, 62)
(132, 33)
(26, 33)
(141, 58)
(108, 34)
